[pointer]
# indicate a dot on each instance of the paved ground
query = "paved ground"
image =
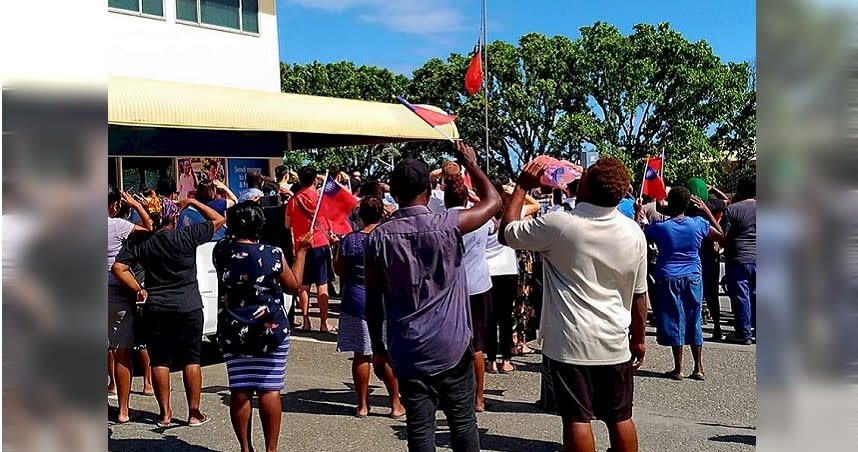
(716, 415)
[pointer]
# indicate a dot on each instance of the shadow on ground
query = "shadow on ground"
(488, 441)
(741, 439)
(167, 443)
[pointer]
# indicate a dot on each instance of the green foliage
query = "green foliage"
(630, 96)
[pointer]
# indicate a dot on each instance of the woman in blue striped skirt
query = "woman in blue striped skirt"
(252, 327)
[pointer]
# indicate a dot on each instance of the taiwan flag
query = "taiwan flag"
(653, 184)
(336, 205)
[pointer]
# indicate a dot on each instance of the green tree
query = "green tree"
(342, 80)
(530, 87)
(655, 91)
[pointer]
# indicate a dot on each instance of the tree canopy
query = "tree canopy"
(630, 96)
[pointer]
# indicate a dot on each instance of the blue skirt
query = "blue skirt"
(679, 301)
(262, 373)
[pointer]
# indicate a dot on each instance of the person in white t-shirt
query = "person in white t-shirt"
(479, 281)
(595, 292)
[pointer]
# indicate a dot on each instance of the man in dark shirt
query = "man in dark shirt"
(416, 283)
(740, 246)
(172, 303)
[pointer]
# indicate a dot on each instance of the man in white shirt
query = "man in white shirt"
(595, 289)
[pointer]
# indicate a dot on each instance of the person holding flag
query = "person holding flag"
(302, 216)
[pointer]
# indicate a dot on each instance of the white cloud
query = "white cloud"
(430, 18)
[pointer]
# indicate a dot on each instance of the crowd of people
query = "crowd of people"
(444, 276)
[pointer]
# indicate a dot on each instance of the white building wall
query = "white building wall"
(166, 50)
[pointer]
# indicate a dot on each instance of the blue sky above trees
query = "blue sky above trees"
(402, 35)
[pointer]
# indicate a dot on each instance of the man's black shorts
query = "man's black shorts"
(174, 337)
(584, 393)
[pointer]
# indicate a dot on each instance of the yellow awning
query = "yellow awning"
(313, 121)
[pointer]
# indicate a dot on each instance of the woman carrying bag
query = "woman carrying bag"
(252, 328)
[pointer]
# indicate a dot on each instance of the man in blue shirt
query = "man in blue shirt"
(416, 283)
(254, 187)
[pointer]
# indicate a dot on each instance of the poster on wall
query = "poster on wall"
(237, 170)
(192, 170)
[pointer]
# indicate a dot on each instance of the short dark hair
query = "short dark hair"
(455, 191)
(607, 182)
(280, 171)
(410, 179)
(371, 188)
(245, 220)
(370, 210)
(165, 187)
(254, 178)
(746, 188)
(307, 176)
(678, 200)
(206, 191)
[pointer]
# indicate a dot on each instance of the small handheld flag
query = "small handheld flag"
(336, 208)
(474, 76)
(653, 184)
(433, 118)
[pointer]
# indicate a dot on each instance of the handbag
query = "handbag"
(252, 330)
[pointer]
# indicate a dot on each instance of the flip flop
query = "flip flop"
(205, 420)
(132, 416)
(332, 330)
(163, 424)
(673, 376)
(697, 376)
(401, 417)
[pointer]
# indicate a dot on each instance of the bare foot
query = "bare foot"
(507, 367)
(166, 418)
(398, 412)
(148, 389)
(327, 328)
(480, 405)
(492, 367)
(362, 412)
(127, 417)
(307, 326)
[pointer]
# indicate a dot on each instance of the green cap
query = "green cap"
(698, 188)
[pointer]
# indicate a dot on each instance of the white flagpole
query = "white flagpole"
(486, 83)
(319, 204)
(643, 181)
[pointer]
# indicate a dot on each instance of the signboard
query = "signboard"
(589, 158)
(237, 172)
(192, 170)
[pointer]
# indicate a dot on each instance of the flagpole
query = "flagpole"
(486, 83)
(319, 204)
(643, 181)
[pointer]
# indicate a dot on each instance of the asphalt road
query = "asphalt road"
(718, 414)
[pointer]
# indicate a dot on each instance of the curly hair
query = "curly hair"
(455, 191)
(607, 182)
(245, 220)
(370, 210)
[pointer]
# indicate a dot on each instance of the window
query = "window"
(138, 7)
(242, 15)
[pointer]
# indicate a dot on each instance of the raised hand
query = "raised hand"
(531, 175)
(465, 153)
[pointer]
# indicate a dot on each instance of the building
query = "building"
(194, 89)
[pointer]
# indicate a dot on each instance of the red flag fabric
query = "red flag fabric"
(433, 118)
(474, 76)
(336, 205)
(653, 183)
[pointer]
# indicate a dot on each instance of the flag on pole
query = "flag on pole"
(653, 184)
(335, 205)
(433, 118)
(474, 76)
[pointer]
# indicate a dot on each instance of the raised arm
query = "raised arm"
(229, 194)
(141, 212)
(489, 202)
(207, 212)
(528, 179)
(715, 231)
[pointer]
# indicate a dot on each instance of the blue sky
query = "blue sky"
(402, 34)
